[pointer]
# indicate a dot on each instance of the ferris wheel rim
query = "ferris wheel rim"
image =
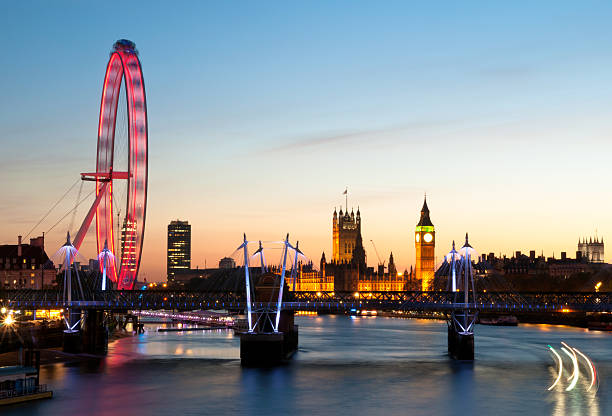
(123, 69)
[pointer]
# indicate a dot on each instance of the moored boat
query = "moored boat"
(504, 320)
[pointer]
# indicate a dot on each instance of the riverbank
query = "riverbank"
(54, 355)
(593, 321)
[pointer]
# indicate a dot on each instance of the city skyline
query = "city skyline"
(297, 208)
(506, 130)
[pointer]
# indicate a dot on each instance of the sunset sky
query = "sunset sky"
(262, 113)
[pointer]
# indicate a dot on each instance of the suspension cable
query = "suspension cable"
(52, 208)
(70, 211)
(74, 211)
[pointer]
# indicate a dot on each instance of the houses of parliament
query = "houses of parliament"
(347, 269)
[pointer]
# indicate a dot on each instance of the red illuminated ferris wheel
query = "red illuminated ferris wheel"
(123, 70)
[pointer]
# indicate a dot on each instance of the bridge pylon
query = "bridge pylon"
(86, 328)
(72, 290)
(272, 336)
(464, 313)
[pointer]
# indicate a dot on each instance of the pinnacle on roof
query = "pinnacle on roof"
(466, 241)
(68, 243)
(425, 220)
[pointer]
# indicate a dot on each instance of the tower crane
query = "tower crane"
(380, 262)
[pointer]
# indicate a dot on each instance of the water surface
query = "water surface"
(355, 366)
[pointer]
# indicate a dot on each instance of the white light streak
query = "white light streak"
(591, 367)
(560, 368)
(576, 372)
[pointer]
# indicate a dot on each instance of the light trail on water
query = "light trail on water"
(576, 373)
(560, 368)
(591, 367)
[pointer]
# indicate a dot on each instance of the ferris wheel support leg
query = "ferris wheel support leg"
(89, 217)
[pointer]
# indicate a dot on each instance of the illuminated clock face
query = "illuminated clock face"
(417, 237)
(428, 238)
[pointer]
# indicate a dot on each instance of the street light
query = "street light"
(597, 286)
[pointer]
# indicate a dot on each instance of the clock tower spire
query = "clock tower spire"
(425, 244)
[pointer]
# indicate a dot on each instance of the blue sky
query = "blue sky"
(260, 113)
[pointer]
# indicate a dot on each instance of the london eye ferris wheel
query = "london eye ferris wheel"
(121, 167)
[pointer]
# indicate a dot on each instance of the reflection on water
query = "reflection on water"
(344, 365)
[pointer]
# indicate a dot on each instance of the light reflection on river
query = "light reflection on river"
(355, 366)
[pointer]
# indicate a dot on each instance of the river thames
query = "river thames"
(344, 365)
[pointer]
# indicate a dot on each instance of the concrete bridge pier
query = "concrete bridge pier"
(87, 332)
(95, 333)
(464, 312)
(460, 345)
(72, 342)
(263, 347)
(136, 325)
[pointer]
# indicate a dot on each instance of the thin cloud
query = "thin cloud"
(356, 136)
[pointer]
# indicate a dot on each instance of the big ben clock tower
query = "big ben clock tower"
(425, 244)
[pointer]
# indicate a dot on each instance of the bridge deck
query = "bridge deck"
(329, 301)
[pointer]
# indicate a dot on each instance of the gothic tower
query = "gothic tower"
(322, 265)
(346, 229)
(425, 244)
(592, 250)
(392, 268)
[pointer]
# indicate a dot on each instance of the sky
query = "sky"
(262, 113)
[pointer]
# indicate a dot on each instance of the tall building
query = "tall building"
(425, 244)
(346, 230)
(179, 247)
(592, 250)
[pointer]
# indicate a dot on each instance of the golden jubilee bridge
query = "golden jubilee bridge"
(435, 301)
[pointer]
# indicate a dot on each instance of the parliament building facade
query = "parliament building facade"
(348, 269)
